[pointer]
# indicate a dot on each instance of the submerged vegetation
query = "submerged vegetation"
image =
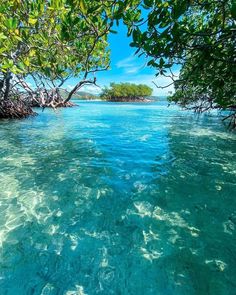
(127, 92)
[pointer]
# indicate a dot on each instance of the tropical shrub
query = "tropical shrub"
(126, 91)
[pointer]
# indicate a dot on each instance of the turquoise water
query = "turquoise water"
(117, 199)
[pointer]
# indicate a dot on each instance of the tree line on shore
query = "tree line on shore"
(48, 42)
(126, 92)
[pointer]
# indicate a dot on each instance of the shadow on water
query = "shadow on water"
(87, 215)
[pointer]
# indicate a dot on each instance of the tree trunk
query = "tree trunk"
(7, 85)
(78, 86)
(72, 92)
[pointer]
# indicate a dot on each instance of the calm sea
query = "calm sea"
(124, 199)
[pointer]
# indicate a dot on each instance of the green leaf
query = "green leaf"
(27, 61)
(83, 6)
(2, 36)
(32, 21)
(148, 3)
(233, 9)
(11, 23)
(136, 35)
(3, 49)
(162, 62)
(179, 9)
(21, 65)
(150, 63)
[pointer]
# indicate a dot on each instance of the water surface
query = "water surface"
(126, 199)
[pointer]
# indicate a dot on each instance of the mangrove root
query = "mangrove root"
(15, 109)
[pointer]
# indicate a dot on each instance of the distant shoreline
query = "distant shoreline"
(127, 99)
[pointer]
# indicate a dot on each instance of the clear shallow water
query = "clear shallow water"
(117, 199)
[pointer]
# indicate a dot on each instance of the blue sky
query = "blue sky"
(125, 67)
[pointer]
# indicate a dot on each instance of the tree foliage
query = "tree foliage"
(197, 36)
(51, 41)
(126, 91)
(54, 40)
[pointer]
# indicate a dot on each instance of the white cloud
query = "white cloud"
(130, 65)
(127, 62)
(132, 70)
(91, 89)
(69, 87)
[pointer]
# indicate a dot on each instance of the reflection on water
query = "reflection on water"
(117, 199)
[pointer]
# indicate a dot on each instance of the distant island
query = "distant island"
(127, 92)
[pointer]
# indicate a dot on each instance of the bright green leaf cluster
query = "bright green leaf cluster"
(126, 90)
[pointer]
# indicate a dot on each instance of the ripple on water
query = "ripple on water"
(117, 199)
